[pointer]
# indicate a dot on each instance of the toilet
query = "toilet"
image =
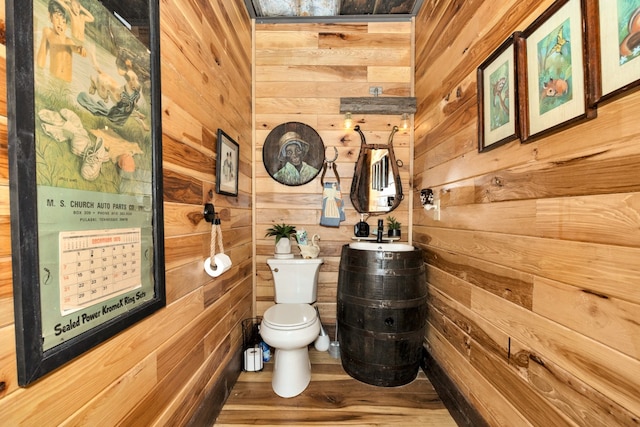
(292, 323)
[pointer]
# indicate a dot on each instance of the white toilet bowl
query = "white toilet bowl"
(290, 328)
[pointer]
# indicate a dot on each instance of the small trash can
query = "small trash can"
(252, 350)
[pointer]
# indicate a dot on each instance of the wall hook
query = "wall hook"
(209, 213)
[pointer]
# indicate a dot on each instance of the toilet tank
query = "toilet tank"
(295, 280)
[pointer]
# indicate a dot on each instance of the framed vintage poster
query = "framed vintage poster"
(227, 165)
(498, 97)
(85, 174)
(554, 77)
(616, 46)
(293, 153)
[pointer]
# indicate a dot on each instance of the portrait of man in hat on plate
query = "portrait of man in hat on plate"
(293, 154)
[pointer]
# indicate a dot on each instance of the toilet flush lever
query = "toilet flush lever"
(275, 270)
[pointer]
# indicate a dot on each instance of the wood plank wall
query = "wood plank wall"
(302, 70)
(533, 267)
(160, 370)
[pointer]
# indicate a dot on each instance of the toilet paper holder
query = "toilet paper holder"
(217, 263)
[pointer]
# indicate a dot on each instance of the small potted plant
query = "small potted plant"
(393, 227)
(282, 233)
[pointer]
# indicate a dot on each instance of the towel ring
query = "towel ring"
(335, 158)
(330, 164)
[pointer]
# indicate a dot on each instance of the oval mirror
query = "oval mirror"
(376, 185)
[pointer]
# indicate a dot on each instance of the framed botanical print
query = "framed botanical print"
(498, 97)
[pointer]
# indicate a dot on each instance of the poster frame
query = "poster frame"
(33, 359)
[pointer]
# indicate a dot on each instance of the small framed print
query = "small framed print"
(615, 47)
(554, 78)
(227, 165)
(498, 97)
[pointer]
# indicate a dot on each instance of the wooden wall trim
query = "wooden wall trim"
(462, 411)
(217, 394)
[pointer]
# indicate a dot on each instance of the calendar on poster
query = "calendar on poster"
(97, 265)
(94, 259)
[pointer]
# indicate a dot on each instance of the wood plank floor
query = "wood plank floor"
(332, 398)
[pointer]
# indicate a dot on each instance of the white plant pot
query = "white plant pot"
(283, 246)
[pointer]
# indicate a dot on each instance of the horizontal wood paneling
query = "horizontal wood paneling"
(602, 269)
(302, 71)
(160, 370)
(580, 356)
(611, 320)
(532, 264)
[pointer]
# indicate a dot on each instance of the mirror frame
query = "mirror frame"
(362, 181)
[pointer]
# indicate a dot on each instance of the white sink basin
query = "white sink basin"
(385, 247)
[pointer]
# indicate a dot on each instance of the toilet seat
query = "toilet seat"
(289, 317)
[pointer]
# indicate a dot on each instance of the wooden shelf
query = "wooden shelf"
(378, 105)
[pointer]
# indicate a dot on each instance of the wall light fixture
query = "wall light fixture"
(405, 121)
(348, 122)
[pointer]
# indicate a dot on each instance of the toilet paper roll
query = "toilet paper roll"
(218, 265)
(253, 359)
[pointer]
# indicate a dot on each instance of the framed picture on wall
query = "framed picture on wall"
(615, 47)
(554, 77)
(85, 175)
(498, 97)
(227, 165)
(293, 153)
